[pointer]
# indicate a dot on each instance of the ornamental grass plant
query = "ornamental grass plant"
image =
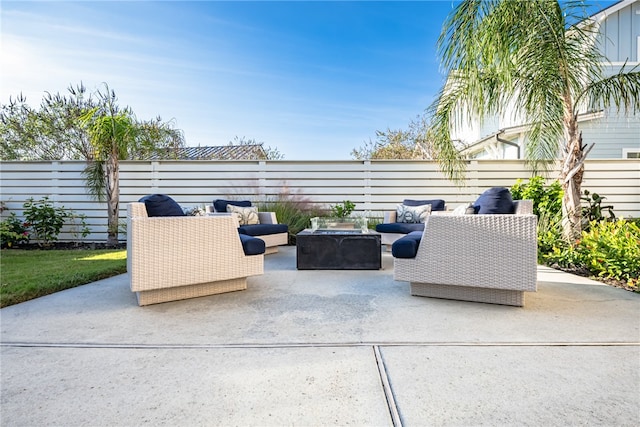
(292, 209)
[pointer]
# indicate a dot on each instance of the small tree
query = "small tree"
(412, 143)
(51, 132)
(81, 126)
(112, 132)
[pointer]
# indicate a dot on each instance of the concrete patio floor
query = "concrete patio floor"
(313, 348)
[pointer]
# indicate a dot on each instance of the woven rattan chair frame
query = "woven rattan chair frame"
(481, 258)
(173, 258)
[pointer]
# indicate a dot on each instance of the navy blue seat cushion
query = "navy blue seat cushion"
(252, 245)
(263, 229)
(436, 204)
(161, 205)
(407, 246)
(399, 227)
(220, 205)
(496, 200)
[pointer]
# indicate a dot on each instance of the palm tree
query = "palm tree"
(116, 135)
(112, 133)
(527, 58)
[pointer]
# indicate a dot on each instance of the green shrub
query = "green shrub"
(13, 231)
(612, 249)
(547, 205)
(44, 219)
(546, 200)
(593, 210)
(608, 249)
(549, 234)
(78, 226)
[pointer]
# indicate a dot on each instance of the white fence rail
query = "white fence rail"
(374, 186)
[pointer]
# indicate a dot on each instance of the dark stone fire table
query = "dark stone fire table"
(338, 250)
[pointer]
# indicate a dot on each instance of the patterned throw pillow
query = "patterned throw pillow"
(412, 214)
(246, 216)
(467, 209)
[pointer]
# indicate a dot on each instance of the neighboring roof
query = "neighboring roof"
(602, 15)
(216, 152)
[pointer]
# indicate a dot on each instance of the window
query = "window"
(631, 153)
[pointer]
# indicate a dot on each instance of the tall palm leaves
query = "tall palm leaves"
(524, 58)
(115, 135)
(112, 132)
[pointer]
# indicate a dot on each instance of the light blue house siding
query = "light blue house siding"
(619, 33)
(614, 137)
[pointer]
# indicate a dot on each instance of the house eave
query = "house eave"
(512, 131)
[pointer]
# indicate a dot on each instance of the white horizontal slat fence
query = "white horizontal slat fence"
(374, 186)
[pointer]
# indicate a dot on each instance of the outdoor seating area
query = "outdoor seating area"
(484, 252)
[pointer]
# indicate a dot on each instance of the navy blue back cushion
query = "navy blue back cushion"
(220, 205)
(496, 200)
(436, 204)
(263, 229)
(252, 245)
(399, 227)
(161, 205)
(407, 246)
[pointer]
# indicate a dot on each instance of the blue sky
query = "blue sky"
(313, 79)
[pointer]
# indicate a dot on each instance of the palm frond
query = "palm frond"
(95, 180)
(443, 114)
(622, 91)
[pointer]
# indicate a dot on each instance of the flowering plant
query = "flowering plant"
(13, 231)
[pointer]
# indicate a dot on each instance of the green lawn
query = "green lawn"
(28, 274)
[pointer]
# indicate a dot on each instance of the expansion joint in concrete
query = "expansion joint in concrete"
(388, 390)
(380, 344)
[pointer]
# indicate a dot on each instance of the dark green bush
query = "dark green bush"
(547, 205)
(547, 200)
(593, 210)
(13, 231)
(44, 219)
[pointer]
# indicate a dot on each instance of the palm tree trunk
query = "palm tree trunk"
(113, 199)
(571, 178)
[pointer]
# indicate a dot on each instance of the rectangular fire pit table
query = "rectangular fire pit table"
(338, 250)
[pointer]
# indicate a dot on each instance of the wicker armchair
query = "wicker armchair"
(173, 258)
(482, 258)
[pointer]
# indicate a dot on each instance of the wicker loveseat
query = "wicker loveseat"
(482, 258)
(267, 228)
(173, 258)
